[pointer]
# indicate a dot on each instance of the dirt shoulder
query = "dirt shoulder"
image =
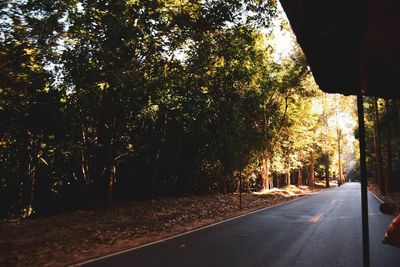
(84, 234)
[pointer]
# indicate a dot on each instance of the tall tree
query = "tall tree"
(378, 152)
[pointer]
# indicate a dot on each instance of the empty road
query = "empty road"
(319, 230)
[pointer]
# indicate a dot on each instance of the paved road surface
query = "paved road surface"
(320, 230)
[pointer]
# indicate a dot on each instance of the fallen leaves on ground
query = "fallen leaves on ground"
(84, 234)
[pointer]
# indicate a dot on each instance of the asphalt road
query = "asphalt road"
(319, 230)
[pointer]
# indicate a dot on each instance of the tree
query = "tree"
(30, 114)
(377, 144)
(115, 100)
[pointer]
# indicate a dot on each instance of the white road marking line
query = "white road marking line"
(316, 218)
(185, 233)
(380, 200)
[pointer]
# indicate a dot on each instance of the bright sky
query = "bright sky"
(283, 40)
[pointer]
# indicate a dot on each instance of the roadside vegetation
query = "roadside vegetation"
(135, 100)
(109, 106)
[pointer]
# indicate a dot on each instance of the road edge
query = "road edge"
(188, 232)
(378, 198)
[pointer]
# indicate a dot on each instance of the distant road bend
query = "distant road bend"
(319, 230)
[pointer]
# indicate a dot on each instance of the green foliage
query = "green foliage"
(135, 99)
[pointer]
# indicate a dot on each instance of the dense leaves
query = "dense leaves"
(114, 100)
(382, 127)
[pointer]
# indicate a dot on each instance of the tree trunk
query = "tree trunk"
(84, 161)
(378, 153)
(23, 174)
(299, 178)
(288, 169)
(106, 132)
(327, 170)
(325, 118)
(264, 172)
(86, 176)
(278, 180)
(240, 186)
(311, 177)
(111, 167)
(32, 171)
(389, 169)
(111, 182)
(340, 168)
(32, 174)
(288, 178)
(398, 109)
